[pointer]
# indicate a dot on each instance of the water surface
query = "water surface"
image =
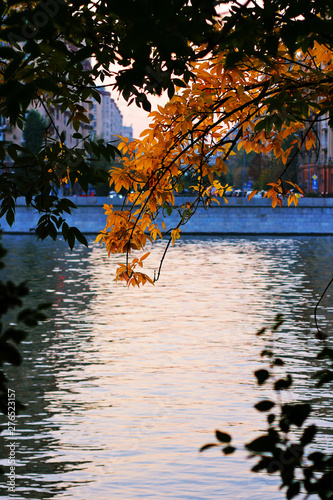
(124, 386)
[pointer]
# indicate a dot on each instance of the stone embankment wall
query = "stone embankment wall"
(312, 216)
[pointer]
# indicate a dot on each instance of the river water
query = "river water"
(124, 386)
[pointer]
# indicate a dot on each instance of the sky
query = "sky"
(132, 115)
(137, 117)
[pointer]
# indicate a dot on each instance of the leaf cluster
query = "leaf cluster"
(11, 334)
(39, 177)
(286, 447)
(254, 106)
(249, 79)
(47, 44)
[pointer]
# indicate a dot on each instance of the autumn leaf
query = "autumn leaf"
(252, 194)
(191, 138)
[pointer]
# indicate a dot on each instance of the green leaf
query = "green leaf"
(223, 437)
(262, 376)
(265, 405)
(67, 202)
(30, 321)
(232, 58)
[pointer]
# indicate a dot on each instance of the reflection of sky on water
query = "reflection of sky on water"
(125, 385)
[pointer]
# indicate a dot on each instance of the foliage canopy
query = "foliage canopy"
(245, 75)
(239, 75)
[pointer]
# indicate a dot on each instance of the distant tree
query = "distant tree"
(34, 131)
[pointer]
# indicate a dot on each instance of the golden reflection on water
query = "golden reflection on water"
(138, 380)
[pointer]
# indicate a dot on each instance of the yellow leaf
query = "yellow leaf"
(99, 237)
(175, 234)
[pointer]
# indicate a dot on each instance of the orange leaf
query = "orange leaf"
(145, 256)
(252, 194)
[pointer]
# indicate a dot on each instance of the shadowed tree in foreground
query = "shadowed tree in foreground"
(256, 75)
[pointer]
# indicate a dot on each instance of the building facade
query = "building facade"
(109, 120)
(315, 167)
(106, 122)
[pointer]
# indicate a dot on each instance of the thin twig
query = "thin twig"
(321, 298)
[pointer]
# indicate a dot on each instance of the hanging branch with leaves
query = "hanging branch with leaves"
(255, 105)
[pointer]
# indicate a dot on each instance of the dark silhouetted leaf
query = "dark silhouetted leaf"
(270, 418)
(262, 376)
(293, 490)
(15, 334)
(10, 354)
(265, 405)
(266, 352)
(327, 352)
(261, 331)
(282, 384)
(228, 450)
(308, 434)
(296, 413)
(261, 444)
(264, 463)
(223, 437)
(325, 377)
(207, 446)
(278, 321)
